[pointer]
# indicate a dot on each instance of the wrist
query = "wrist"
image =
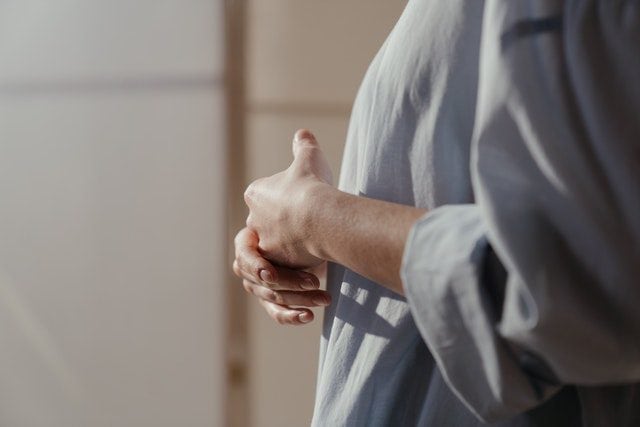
(318, 205)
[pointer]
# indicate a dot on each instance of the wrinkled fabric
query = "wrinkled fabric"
(556, 177)
(513, 123)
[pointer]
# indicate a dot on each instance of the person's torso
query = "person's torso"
(408, 143)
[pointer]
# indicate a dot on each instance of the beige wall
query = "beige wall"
(305, 60)
(112, 195)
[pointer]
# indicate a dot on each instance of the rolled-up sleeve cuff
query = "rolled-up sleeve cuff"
(442, 271)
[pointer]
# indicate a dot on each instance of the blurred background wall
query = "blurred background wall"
(112, 206)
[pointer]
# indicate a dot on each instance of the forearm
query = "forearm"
(366, 235)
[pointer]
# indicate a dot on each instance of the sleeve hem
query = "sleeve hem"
(441, 272)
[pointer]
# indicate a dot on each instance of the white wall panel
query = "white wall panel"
(112, 205)
(62, 40)
(110, 260)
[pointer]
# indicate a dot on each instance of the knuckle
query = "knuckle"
(247, 287)
(279, 318)
(276, 297)
(242, 270)
(240, 263)
(259, 266)
(250, 223)
(247, 194)
(238, 241)
(250, 287)
(241, 257)
(250, 192)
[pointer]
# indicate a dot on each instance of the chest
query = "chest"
(411, 126)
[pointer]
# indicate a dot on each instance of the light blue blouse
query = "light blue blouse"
(515, 122)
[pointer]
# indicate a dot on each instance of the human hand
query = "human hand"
(283, 293)
(279, 205)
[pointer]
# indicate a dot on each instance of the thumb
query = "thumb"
(306, 151)
(303, 139)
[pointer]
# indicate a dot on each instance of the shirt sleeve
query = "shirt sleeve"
(537, 284)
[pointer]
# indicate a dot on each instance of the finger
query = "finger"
(290, 298)
(286, 279)
(249, 263)
(294, 280)
(304, 299)
(320, 271)
(308, 156)
(285, 315)
(303, 138)
(246, 238)
(250, 192)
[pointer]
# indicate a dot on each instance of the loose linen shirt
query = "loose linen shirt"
(515, 123)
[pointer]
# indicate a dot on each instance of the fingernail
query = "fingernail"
(320, 301)
(308, 284)
(266, 276)
(302, 134)
(305, 317)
